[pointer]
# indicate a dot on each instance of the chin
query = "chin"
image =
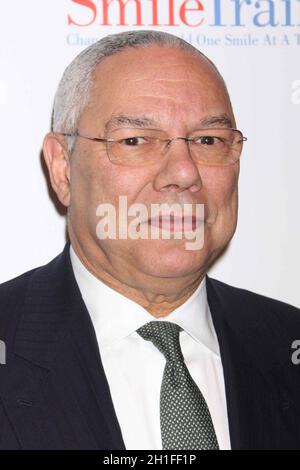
(171, 261)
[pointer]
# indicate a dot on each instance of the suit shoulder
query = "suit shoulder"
(258, 302)
(12, 288)
(13, 293)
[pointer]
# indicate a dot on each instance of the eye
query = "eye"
(207, 140)
(133, 141)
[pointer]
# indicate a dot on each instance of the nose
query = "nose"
(178, 171)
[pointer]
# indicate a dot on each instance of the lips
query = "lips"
(176, 224)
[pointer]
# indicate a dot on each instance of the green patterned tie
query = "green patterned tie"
(184, 416)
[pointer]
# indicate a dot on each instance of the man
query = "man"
(124, 342)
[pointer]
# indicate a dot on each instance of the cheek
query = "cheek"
(226, 194)
(221, 185)
(114, 181)
(222, 180)
(96, 180)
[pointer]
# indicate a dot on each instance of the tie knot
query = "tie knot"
(165, 336)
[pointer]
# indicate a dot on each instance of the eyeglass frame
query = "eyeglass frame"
(168, 140)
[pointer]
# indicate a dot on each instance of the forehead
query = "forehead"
(160, 82)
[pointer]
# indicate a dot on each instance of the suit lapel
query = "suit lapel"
(260, 381)
(56, 392)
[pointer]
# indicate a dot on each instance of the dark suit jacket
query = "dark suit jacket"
(54, 393)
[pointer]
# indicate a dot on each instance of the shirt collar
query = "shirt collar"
(115, 316)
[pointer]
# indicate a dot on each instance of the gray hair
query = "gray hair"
(73, 90)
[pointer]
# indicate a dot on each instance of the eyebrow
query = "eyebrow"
(133, 121)
(118, 120)
(223, 120)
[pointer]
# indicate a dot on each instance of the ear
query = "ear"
(57, 160)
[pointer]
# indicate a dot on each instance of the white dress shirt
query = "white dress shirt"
(134, 367)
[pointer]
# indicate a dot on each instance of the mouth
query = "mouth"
(176, 224)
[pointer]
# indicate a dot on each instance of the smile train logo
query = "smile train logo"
(191, 13)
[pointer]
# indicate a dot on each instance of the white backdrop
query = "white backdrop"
(256, 47)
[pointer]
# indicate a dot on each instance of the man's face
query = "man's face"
(176, 91)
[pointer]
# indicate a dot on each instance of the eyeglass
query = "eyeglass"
(138, 147)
